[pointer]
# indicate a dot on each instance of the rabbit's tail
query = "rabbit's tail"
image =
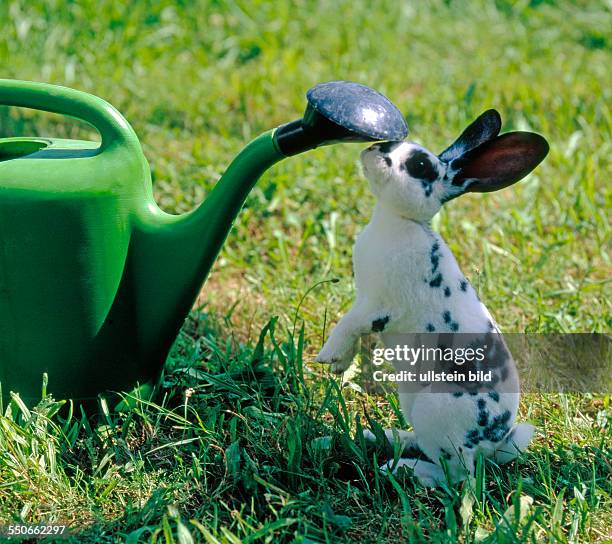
(514, 444)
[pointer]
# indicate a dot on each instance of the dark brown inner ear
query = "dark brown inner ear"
(501, 162)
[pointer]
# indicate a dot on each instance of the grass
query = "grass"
(230, 453)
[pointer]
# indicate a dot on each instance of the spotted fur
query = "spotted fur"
(378, 325)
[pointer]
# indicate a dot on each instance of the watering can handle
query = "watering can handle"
(111, 125)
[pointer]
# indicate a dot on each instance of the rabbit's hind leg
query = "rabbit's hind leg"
(514, 444)
(407, 440)
(428, 474)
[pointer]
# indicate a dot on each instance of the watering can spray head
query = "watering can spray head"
(342, 111)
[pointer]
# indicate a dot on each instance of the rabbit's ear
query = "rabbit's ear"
(500, 162)
(481, 130)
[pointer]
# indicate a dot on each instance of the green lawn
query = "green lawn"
(228, 454)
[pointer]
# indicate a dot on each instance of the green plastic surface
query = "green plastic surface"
(95, 279)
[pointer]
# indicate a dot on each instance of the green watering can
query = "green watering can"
(95, 279)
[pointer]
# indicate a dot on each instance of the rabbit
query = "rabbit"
(408, 281)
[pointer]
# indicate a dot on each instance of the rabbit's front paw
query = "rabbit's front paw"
(337, 355)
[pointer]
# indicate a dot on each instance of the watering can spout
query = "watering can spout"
(172, 255)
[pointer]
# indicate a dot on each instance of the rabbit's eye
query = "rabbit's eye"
(419, 166)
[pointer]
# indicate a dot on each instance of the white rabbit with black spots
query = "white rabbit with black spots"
(408, 281)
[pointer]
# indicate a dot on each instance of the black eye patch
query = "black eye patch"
(419, 166)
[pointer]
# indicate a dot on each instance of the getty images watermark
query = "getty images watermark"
(567, 363)
(417, 357)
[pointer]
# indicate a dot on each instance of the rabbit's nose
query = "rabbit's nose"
(386, 147)
(375, 147)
